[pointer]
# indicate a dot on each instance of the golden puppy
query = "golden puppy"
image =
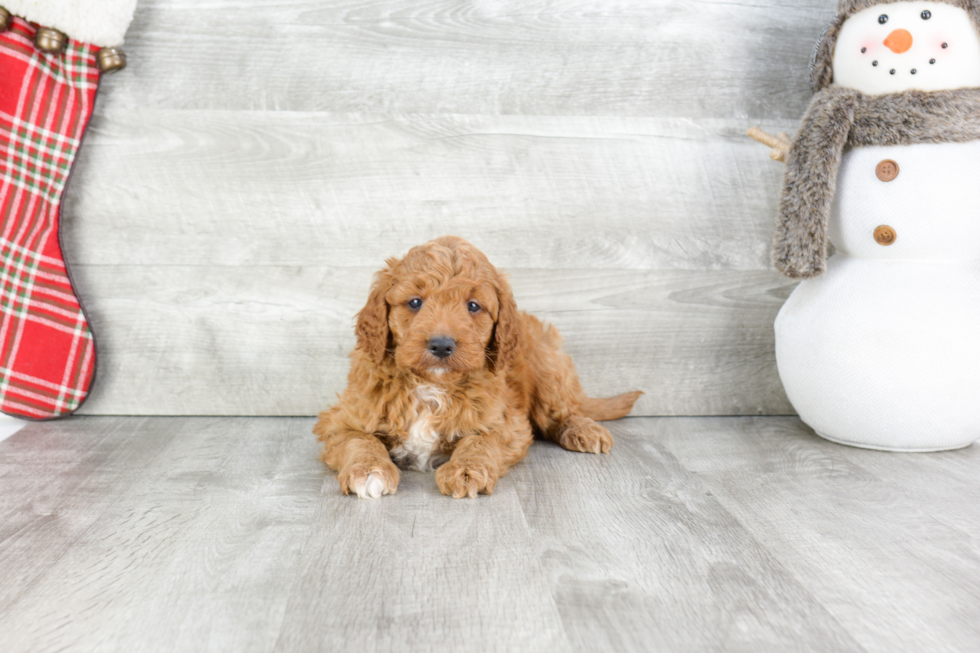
(448, 374)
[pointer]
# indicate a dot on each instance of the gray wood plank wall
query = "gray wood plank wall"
(244, 177)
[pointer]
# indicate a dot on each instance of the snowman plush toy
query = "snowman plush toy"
(879, 346)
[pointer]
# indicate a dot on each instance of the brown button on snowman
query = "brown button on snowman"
(877, 347)
(887, 170)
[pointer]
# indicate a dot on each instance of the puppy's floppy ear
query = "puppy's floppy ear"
(372, 321)
(507, 331)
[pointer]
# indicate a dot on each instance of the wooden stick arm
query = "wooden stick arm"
(780, 144)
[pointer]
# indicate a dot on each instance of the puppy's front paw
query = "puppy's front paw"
(369, 481)
(583, 434)
(465, 479)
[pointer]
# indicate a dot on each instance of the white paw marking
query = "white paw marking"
(370, 488)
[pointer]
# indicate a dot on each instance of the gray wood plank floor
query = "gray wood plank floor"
(695, 534)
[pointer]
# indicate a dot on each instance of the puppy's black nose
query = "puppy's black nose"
(442, 346)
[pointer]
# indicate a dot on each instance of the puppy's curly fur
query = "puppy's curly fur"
(448, 374)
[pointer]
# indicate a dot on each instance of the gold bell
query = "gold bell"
(5, 19)
(50, 40)
(111, 59)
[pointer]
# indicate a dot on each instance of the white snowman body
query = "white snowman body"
(883, 349)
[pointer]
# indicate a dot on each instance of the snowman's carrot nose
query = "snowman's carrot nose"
(899, 41)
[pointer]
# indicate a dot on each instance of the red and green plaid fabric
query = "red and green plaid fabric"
(47, 355)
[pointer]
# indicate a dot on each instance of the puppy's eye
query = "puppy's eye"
(473, 307)
(926, 15)
(883, 19)
(415, 304)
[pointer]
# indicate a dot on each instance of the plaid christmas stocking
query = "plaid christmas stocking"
(47, 353)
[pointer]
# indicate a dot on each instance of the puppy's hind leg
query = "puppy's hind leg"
(576, 428)
(560, 409)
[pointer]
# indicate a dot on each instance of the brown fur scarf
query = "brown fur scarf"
(840, 117)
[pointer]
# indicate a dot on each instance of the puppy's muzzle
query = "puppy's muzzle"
(442, 347)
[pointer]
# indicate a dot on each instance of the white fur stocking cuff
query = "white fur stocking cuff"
(99, 22)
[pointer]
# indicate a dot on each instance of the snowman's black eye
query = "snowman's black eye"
(863, 50)
(874, 63)
(883, 19)
(926, 15)
(932, 61)
(945, 45)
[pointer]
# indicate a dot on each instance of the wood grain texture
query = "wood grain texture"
(243, 176)
(185, 531)
(261, 188)
(694, 534)
(421, 573)
(55, 487)
(874, 526)
(227, 340)
(690, 58)
(665, 567)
